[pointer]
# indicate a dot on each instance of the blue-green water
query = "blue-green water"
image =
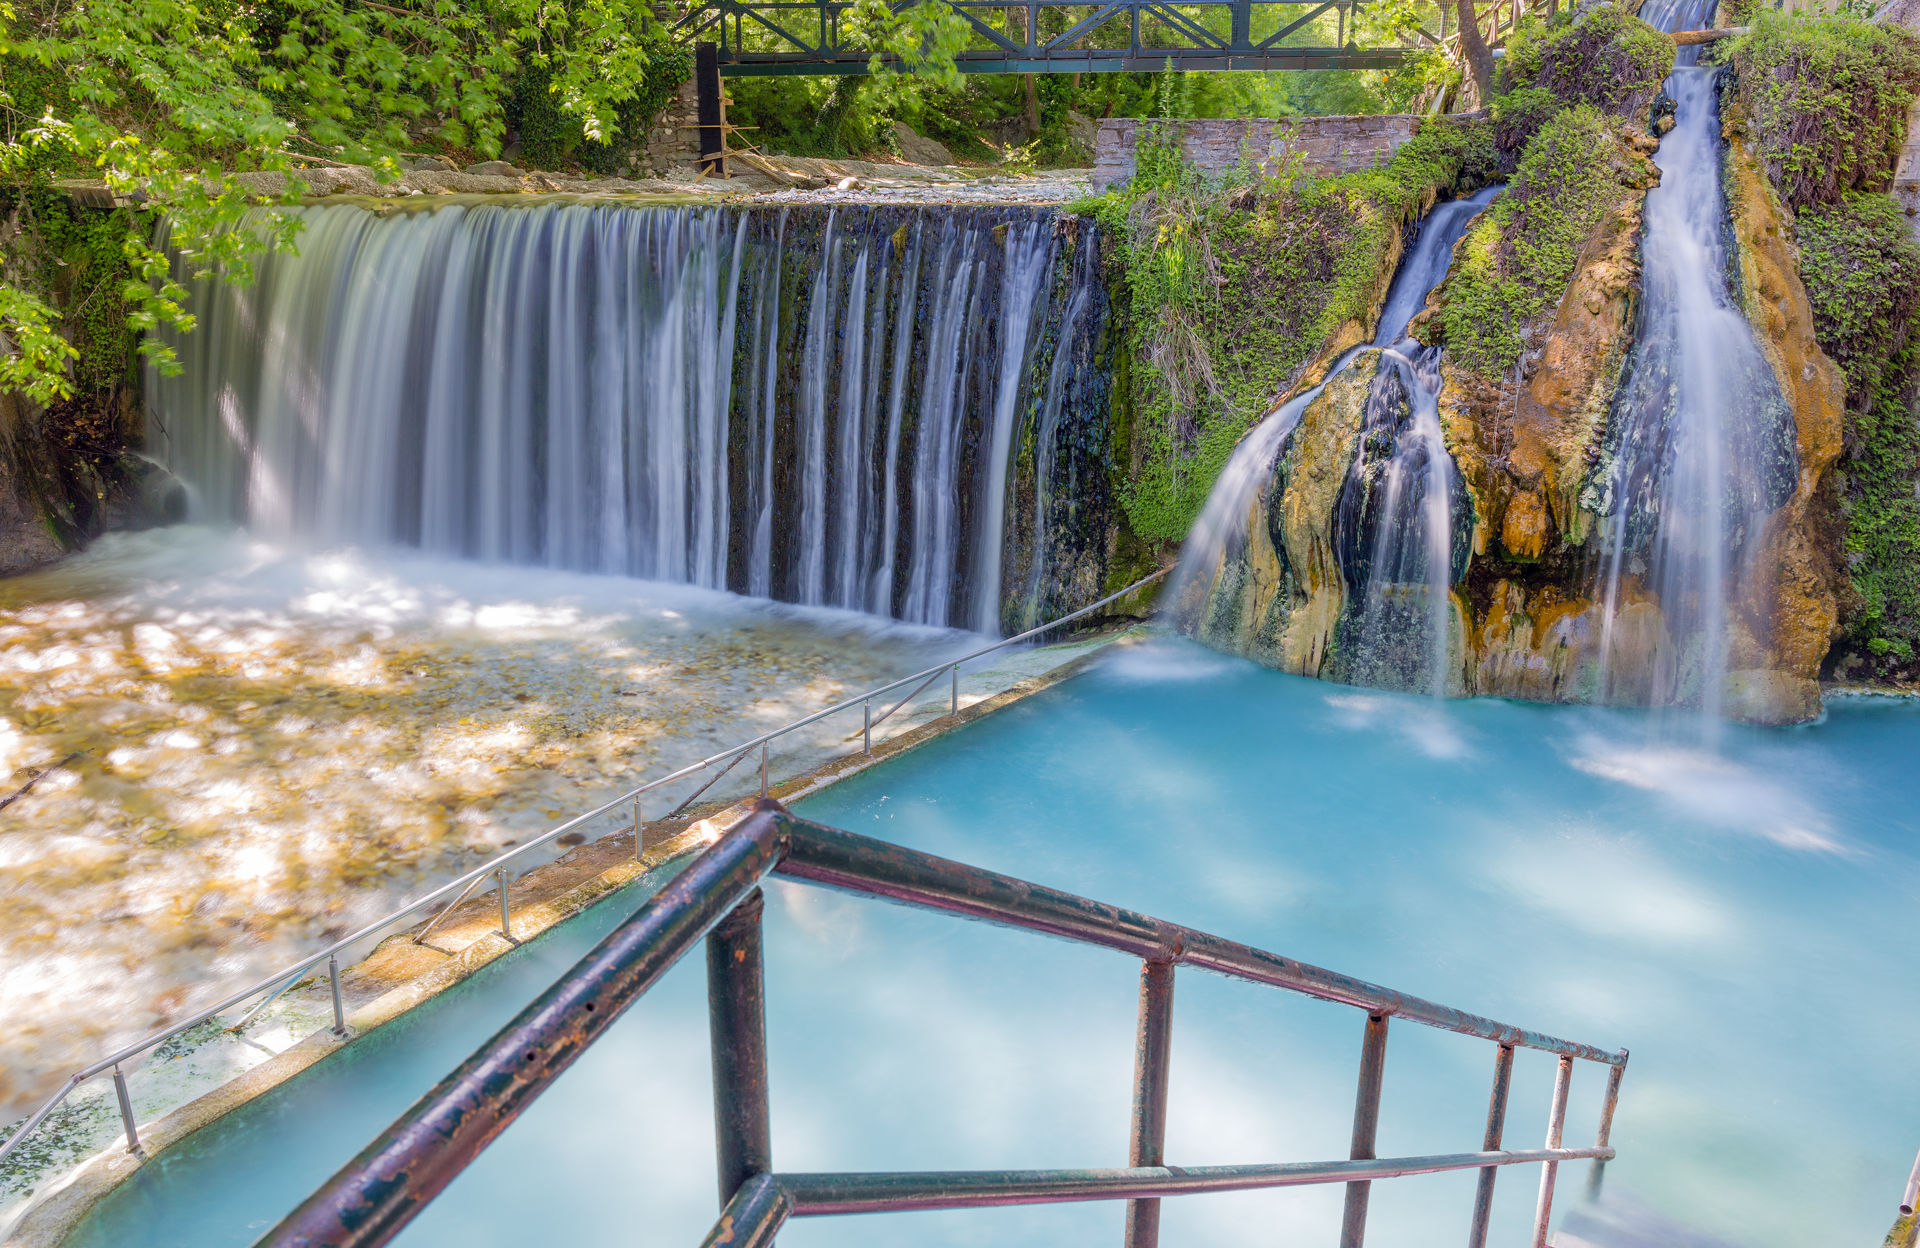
(1743, 922)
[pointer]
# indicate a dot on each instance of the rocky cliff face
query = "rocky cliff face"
(1537, 624)
(1793, 607)
(67, 474)
(1528, 615)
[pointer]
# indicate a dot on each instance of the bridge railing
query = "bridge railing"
(717, 898)
(807, 36)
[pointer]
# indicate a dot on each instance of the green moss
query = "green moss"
(1862, 273)
(1519, 114)
(1603, 58)
(1512, 267)
(1825, 101)
(1232, 285)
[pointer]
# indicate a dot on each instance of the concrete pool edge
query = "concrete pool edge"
(544, 898)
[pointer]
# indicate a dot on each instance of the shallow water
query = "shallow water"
(264, 747)
(1741, 921)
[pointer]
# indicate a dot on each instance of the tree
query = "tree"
(167, 100)
(1477, 90)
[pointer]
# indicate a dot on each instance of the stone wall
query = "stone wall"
(1330, 144)
(673, 142)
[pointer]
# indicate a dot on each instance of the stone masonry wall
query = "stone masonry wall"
(674, 140)
(1330, 144)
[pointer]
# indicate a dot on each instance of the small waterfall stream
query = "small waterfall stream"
(1394, 531)
(819, 405)
(1394, 537)
(1701, 443)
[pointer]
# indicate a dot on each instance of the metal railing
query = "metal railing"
(288, 977)
(758, 37)
(1906, 1227)
(717, 898)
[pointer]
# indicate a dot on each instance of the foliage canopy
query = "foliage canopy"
(167, 100)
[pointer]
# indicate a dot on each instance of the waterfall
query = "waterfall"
(1701, 446)
(824, 406)
(1394, 529)
(1394, 522)
(1029, 257)
(1395, 514)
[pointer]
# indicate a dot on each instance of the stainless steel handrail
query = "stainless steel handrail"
(288, 976)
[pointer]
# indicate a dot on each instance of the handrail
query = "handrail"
(1906, 1227)
(289, 975)
(369, 1200)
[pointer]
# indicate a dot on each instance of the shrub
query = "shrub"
(1825, 101)
(670, 67)
(1602, 58)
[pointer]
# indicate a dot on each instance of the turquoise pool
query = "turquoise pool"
(1742, 921)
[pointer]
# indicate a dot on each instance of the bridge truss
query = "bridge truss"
(768, 37)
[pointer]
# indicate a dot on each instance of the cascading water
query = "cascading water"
(1395, 540)
(1394, 532)
(1701, 443)
(824, 406)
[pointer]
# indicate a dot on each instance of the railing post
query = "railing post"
(867, 732)
(333, 976)
(637, 837)
(956, 688)
(763, 769)
(1556, 1128)
(126, 1110)
(1496, 1130)
(506, 924)
(1151, 1048)
(736, 1018)
(1366, 1126)
(1604, 1135)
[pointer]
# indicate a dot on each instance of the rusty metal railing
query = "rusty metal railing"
(464, 886)
(718, 898)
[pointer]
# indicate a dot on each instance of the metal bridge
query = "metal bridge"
(762, 37)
